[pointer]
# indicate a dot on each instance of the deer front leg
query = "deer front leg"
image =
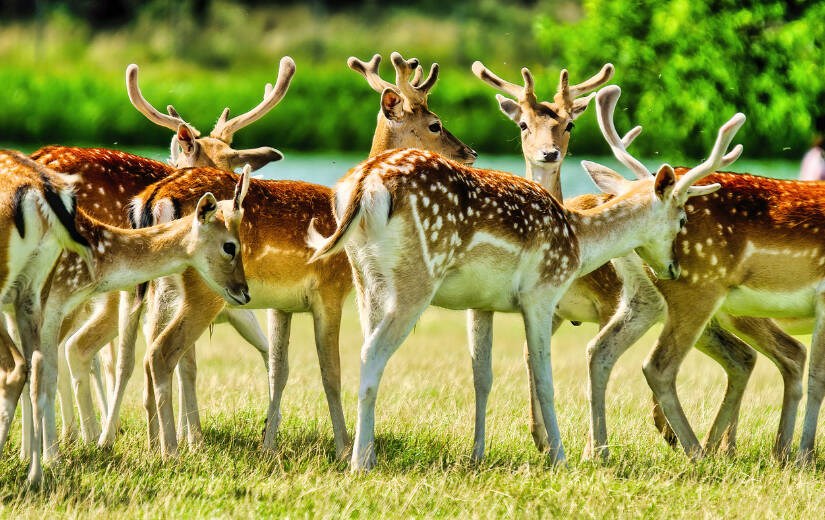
(816, 386)
(537, 312)
(631, 320)
(189, 422)
(537, 429)
(480, 331)
(13, 371)
(279, 327)
(788, 355)
(129, 320)
(244, 321)
(738, 360)
(683, 327)
(327, 321)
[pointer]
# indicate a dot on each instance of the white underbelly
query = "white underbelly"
(742, 301)
(289, 298)
(477, 288)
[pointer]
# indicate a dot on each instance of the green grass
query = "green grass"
(424, 436)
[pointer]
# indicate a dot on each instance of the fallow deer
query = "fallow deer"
(420, 229)
(607, 298)
(38, 212)
(108, 181)
(280, 277)
(207, 241)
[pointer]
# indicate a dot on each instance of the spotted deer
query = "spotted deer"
(420, 229)
(108, 181)
(279, 275)
(38, 212)
(610, 298)
(207, 241)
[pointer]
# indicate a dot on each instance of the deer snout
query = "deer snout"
(239, 294)
(549, 156)
(674, 270)
(470, 156)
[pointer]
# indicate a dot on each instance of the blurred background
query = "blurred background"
(684, 66)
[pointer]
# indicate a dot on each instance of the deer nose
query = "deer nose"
(551, 156)
(674, 270)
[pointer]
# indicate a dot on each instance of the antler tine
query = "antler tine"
(403, 69)
(242, 187)
(370, 71)
(428, 83)
(487, 76)
(602, 77)
(631, 136)
(717, 157)
(143, 106)
(224, 130)
(562, 96)
(605, 105)
(417, 75)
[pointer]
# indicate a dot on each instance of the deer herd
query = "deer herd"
(96, 238)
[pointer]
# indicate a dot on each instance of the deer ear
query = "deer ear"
(665, 182)
(186, 139)
(510, 108)
(254, 157)
(607, 180)
(392, 105)
(206, 209)
(580, 105)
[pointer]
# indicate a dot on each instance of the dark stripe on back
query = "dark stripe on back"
(64, 214)
(17, 210)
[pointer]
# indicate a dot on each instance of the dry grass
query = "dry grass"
(424, 432)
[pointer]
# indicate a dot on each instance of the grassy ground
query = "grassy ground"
(424, 432)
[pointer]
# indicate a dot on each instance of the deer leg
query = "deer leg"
(244, 321)
(81, 347)
(683, 327)
(13, 378)
(537, 429)
(128, 322)
(816, 386)
(197, 310)
(631, 320)
(189, 413)
(738, 360)
(480, 331)
(537, 313)
(279, 328)
(327, 321)
(788, 355)
(37, 398)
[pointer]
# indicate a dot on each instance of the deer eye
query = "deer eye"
(523, 126)
(229, 249)
(435, 127)
(570, 126)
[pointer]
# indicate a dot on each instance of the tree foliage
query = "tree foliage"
(685, 66)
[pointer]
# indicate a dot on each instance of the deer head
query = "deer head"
(404, 120)
(545, 126)
(189, 148)
(666, 193)
(214, 242)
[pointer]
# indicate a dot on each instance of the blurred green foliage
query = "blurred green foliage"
(685, 66)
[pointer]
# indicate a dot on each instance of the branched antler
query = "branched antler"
(605, 105)
(171, 121)
(717, 158)
(524, 93)
(414, 90)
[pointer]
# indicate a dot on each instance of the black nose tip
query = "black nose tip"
(245, 293)
(551, 156)
(473, 153)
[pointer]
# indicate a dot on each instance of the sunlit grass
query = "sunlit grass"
(424, 435)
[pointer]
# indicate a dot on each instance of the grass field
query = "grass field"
(424, 436)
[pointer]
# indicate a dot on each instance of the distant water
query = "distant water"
(328, 168)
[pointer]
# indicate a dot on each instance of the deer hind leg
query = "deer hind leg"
(480, 331)
(392, 323)
(738, 360)
(13, 369)
(195, 313)
(81, 347)
(788, 355)
(630, 321)
(683, 327)
(129, 312)
(244, 321)
(279, 329)
(816, 386)
(327, 321)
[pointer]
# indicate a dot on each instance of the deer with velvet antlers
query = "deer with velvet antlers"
(420, 229)
(279, 275)
(108, 179)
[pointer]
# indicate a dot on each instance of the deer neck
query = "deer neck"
(547, 175)
(610, 230)
(382, 140)
(126, 257)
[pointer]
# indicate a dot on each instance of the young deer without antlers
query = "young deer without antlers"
(38, 214)
(108, 181)
(280, 277)
(207, 241)
(452, 226)
(608, 299)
